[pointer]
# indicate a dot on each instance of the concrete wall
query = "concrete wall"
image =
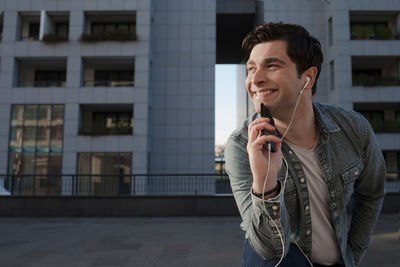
(212, 205)
(119, 206)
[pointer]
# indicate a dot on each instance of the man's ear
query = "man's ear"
(310, 73)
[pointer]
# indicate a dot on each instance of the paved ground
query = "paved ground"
(200, 241)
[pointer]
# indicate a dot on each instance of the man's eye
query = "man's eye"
(272, 66)
(250, 69)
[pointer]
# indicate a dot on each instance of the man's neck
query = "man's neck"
(303, 131)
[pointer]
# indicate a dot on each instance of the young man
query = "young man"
(321, 207)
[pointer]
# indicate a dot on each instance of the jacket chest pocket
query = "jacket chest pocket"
(349, 176)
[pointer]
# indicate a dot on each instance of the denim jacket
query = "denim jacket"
(354, 167)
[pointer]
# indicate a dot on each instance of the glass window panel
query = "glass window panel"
(99, 120)
(109, 27)
(111, 163)
(97, 28)
(100, 75)
(15, 163)
(123, 27)
(43, 129)
(54, 180)
(58, 114)
(57, 128)
(56, 139)
(16, 138)
(62, 29)
(55, 164)
(126, 76)
(34, 30)
(29, 130)
(97, 163)
(124, 121)
(42, 161)
(53, 76)
(125, 163)
(29, 136)
(41, 76)
(28, 163)
(113, 76)
(111, 120)
(17, 117)
(84, 163)
(62, 76)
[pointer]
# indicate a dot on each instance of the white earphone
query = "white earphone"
(307, 82)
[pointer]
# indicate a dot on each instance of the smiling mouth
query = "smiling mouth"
(264, 92)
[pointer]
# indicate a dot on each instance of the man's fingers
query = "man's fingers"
(256, 126)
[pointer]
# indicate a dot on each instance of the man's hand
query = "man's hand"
(258, 155)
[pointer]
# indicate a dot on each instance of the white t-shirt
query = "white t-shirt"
(325, 249)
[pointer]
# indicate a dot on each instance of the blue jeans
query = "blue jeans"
(294, 258)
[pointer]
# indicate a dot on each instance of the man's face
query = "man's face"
(272, 78)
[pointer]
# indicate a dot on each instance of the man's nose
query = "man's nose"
(259, 77)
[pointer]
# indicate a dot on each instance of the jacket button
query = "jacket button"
(307, 207)
(356, 173)
(302, 180)
(308, 232)
(290, 152)
(274, 207)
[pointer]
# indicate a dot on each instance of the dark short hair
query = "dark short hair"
(302, 48)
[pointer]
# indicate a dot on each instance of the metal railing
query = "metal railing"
(108, 83)
(55, 83)
(114, 185)
(127, 185)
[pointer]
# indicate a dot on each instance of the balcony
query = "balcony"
(49, 72)
(383, 117)
(109, 26)
(375, 71)
(374, 25)
(29, 26)
(56, 27)
(109, 72)
(99, 120)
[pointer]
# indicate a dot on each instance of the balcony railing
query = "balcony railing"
(109, 36)
(108, 83)
(130, 185)
(385, 126)
(115, 185)
(105, 131)
(41, 84)
(370, 81)
(54, 38)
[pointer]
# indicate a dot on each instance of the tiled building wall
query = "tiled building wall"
(182, 86)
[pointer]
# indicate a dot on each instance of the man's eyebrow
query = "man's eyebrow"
(267, 61)
(274, 59)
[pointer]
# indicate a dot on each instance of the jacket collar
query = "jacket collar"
(325, 123)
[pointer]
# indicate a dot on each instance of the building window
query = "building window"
(108, 123)
(371, 31)
(33, 31)
(62, 29)
(104, 173)
(50, 78)
(35, 148)
(101, 28)
(113, 78)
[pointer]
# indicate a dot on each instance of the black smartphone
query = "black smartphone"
(265, 113)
